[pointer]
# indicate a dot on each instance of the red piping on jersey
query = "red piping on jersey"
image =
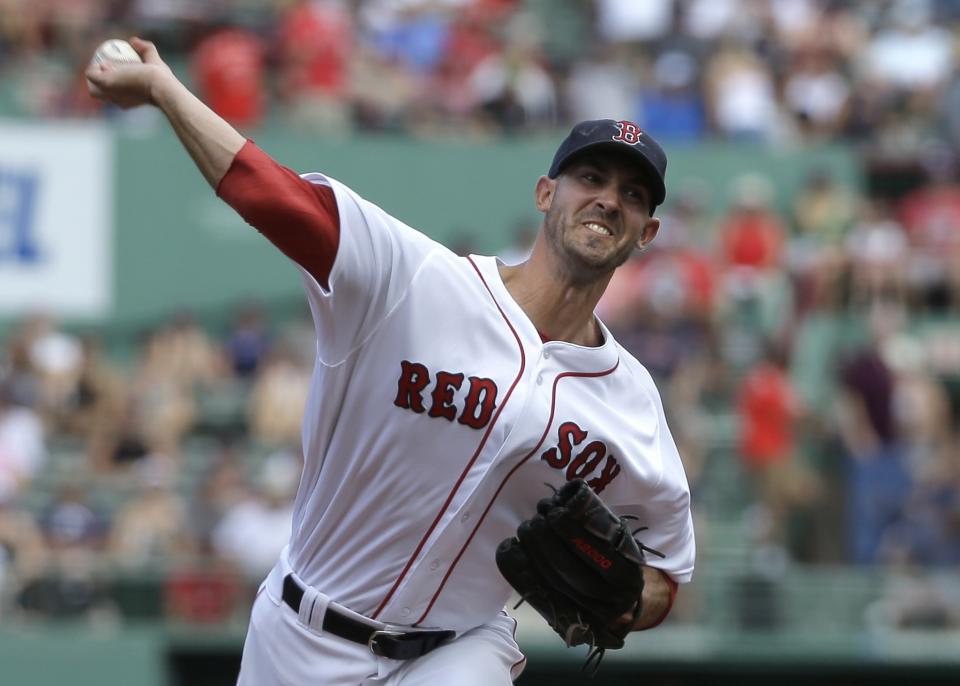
(473, 459)
(523, 659)
(546, 430)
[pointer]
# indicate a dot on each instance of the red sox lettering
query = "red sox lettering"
(594, 456)
(478, 405)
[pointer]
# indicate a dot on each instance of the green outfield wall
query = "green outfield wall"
(113, 224)
(177, 245)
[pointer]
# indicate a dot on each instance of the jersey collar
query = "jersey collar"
(579, 357)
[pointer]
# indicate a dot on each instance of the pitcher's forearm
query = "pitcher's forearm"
(208, 138)
(657, 597)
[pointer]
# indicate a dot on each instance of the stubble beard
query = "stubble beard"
(576, 266)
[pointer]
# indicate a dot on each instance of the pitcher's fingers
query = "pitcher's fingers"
(146, 49)
(98, 73)
(94, 90)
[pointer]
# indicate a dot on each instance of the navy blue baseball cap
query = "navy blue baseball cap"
(619, 135)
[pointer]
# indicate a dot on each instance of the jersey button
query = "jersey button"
(465, 516)
(405, 611)
(546, 354)
(434, 565)
(539, 379)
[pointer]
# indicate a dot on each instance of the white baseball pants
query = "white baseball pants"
(280, 650)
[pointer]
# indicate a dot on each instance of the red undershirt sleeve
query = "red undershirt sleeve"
(297, 216)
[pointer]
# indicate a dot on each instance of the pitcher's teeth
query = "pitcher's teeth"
(596, 228)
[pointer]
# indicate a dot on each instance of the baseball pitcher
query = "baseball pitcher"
(473, 430)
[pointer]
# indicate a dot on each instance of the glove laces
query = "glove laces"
(643, 547)
(592, 663)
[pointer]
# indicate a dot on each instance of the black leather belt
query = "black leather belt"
(396, 645)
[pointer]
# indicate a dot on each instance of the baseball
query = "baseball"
(116, 51)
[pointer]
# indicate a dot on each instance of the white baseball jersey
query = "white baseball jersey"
(437, 416)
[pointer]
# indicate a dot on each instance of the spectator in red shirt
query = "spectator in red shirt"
(448, 94)
(752, 234)
(314, 44)
(756, 292)
(768, 409)
(228, 68)
(931, 216)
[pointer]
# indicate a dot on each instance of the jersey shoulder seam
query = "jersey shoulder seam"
(439, 249)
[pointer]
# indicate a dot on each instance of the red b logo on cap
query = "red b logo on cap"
(629, 132)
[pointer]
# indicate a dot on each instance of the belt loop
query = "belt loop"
(313, 608)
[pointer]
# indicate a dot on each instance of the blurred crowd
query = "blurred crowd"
(807, 352)
(766, 70)
(179, 465)
(830, 332)
(809, 359)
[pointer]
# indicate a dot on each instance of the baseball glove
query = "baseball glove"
(579, 565)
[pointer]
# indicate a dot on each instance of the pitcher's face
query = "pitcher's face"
(597, 211)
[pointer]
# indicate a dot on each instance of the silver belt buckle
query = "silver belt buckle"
(372, 641)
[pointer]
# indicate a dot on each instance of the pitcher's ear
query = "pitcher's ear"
(544, 192)
(649, 232)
